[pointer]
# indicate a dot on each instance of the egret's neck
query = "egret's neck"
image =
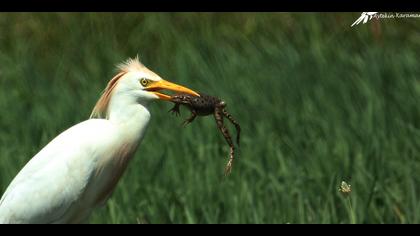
(131, 116)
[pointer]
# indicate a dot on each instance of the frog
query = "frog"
(205, 105)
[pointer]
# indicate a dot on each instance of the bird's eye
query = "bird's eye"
(144, 82)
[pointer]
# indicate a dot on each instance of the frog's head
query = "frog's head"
(181, 98)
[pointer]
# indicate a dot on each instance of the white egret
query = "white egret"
(79, 169)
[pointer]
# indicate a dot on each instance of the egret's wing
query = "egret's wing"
(43, 196)
(48, 186)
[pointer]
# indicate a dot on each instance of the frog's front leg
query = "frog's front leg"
(175, 109)
(218, 115)
(190, 119)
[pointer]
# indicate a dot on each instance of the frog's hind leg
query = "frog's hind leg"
(237, 126)
(189, 119)
(218, 115)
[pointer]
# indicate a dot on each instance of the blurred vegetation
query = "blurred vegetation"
(318, 101)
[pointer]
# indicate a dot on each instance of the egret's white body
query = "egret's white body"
(78, 170)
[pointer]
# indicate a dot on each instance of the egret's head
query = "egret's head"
(144, 84)
(136, 81)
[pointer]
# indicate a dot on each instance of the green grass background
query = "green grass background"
(318, 102)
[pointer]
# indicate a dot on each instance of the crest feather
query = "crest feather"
(101, 108)
(132, 64)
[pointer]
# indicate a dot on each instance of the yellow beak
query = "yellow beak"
(163, 84)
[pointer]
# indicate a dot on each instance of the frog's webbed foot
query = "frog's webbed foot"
(175, 110)
(228, 168)
(189, 119)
